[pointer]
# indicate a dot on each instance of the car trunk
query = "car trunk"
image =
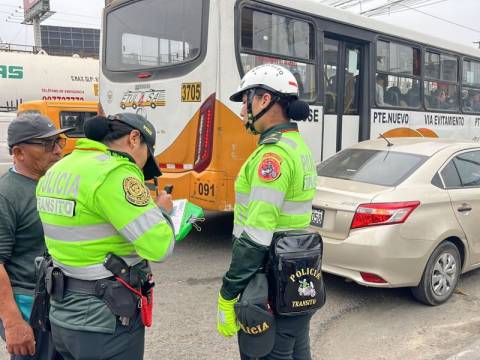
(339, 199)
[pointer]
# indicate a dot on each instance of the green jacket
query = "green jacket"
(274, 192)
(93, 202)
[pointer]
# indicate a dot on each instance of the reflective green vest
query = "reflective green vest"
(93, 202)
(275, 186)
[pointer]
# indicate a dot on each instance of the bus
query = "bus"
(64, 114)
(361, 77)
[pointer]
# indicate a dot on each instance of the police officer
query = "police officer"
(99, 221)
(274, 191)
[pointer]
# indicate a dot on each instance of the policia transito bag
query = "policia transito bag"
(294, 270)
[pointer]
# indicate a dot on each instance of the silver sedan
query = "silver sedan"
(401, 213)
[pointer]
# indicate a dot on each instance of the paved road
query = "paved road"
(356, 323)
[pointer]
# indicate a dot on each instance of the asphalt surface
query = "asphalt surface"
(356, 322)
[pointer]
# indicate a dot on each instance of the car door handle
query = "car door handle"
(464, 208)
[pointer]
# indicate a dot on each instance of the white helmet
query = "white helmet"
(271, 77)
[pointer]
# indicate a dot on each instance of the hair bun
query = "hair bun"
(298, 110)
(96, 128)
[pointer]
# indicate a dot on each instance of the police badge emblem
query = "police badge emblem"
(270, 167)
(306, 289)
(136, 193)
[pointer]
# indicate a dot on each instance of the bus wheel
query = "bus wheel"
(123, 106)
(134, 106)
(153, 106)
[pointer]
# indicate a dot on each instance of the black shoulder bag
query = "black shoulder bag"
(294, 272)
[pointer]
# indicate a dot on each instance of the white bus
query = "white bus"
(361, 77)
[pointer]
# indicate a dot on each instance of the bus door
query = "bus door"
(344, 79)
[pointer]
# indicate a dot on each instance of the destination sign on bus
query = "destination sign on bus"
(442, 124)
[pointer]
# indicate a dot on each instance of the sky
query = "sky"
(87, 13)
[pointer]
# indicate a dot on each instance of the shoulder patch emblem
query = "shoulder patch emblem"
(270, 167)
(136, 192)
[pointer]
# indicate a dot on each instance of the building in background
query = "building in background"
(60, 40)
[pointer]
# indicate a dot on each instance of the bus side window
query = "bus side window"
(289, 42)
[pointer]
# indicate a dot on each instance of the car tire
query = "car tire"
(440, 276)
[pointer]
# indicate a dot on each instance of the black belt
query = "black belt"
(90, 287)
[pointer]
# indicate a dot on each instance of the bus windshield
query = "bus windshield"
(153, 34)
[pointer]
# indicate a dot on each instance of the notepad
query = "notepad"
(184, 215)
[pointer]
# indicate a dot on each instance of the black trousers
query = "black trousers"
(292, 339)
(127, 343)
(44, 349)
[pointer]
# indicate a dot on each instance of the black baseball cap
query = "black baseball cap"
(146, 128)
(256, 336)
(31, 126)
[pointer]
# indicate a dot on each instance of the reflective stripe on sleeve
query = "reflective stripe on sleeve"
(297, 207)
(79, 233)
(142, 224)
(94, 272)
(241, 199)
(269, 195)
(260, 236)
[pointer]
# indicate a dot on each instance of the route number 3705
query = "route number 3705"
(206, 189)
(191, 92)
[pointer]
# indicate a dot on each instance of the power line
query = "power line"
(393, 7)
(12, 6)
(396, 8)
(87, 16)
(416, 7)
(71, 21)
(443, 19)
(65, 19)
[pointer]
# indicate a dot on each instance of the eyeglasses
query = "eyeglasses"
(49, 144)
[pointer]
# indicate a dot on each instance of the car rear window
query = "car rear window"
(386, 168)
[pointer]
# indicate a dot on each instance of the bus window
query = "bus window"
(398, 75)
(75, 119)
(330, 55)
(352, 80)
(471, 86)
(441, 90)
(64, 114)
(289, 41)
(169, 33)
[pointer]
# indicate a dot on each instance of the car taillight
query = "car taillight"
(372, 278)
(204, 147)
(382, 213)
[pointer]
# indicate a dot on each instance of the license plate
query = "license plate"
(317, 217)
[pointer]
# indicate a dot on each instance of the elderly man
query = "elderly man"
(36, 145)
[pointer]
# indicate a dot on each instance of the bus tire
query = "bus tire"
(153, 106)
(134, 106)
(123, 106)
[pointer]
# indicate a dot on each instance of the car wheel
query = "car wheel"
(440, 276)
